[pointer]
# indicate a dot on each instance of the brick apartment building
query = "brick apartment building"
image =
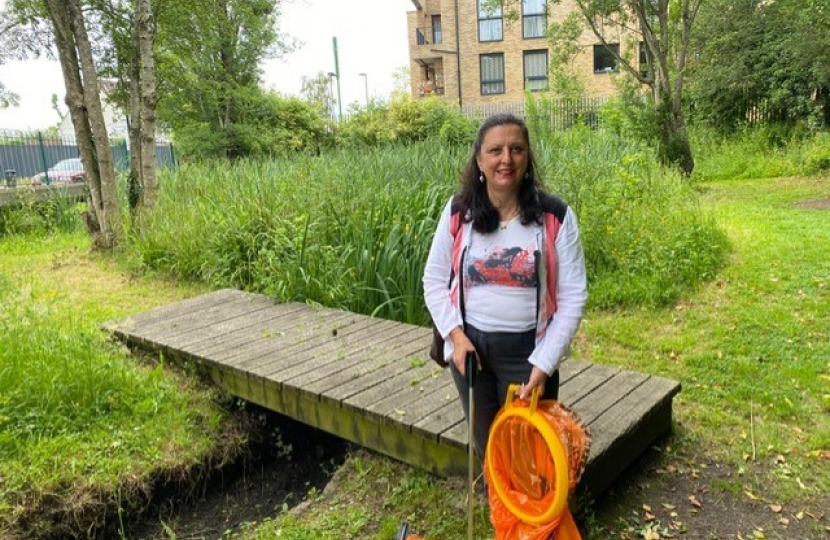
(463, 54)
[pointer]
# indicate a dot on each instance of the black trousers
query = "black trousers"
(503, 362)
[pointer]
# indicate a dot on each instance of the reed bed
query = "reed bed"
(352, 228)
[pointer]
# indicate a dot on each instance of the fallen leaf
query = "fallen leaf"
(647, 508)
(799, 516)
(649, 516)
(784, 521)
(751, 495)
(693, 500)
(668, 506)
(776, 508)
(651, 534)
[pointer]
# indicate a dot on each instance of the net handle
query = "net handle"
(555, 447)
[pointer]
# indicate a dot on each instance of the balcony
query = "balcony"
(428, 36)
(429, 88)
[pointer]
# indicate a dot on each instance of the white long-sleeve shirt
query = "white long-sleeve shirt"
(558, 322)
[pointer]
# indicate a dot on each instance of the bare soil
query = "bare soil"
(290, 461)
(671, 495)
(664, 495)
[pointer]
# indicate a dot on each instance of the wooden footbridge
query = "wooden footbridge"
(369, 380)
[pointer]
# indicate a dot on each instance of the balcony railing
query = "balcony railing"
(430, 89)
(428, 36)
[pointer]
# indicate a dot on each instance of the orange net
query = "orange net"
(535, 457)
(536, 454)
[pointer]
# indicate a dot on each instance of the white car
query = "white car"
(67, 170)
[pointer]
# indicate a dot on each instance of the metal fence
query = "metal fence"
(25, 154)
(563, 113)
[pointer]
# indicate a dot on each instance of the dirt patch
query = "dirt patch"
(663, 495)
(675, 496)
(292, 461)
(814, 204)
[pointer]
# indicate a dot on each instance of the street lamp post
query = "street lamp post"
(365, 86)
(332, 76)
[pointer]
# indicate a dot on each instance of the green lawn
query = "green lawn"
(750, 349)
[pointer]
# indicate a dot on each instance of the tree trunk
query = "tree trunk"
(84, 102)
(134, 181)
(145, 32)
(675, 147)
(70, 66)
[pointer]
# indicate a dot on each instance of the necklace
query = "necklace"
(510, 217)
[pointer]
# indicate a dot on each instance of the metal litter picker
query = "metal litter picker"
(470, 368)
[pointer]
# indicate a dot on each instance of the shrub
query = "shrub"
(405, 120)
(263, 124)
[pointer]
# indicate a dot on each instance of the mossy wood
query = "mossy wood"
(369, 380)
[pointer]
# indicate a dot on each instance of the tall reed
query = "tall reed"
(352, 228)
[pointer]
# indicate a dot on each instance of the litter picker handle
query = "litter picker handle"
(470, 367)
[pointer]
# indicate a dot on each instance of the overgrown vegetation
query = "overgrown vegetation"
(351, 229)
(57, 214)
(84, 429)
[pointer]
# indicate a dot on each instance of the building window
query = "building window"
(492, 73)
(604, 60)
(536, 70)
(437, 37)
(489, 24)
(534, 18)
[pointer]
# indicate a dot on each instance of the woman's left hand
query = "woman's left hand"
(538, 378)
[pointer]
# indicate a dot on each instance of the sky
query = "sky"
(371, 39)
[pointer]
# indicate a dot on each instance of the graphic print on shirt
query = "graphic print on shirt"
(507, 267)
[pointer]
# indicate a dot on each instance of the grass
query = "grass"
(352, 228)
(80, 421)
(750, 346)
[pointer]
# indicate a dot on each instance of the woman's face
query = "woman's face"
(503, 158)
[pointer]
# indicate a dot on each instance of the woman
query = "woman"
(505, 276)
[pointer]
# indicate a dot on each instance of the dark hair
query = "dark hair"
(473, 201)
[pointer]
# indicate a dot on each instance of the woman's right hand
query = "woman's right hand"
(461, 346)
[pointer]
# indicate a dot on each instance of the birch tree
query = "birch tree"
(127, 55)
(143, 90)
(103, 216)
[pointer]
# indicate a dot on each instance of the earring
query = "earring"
(481, 178)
